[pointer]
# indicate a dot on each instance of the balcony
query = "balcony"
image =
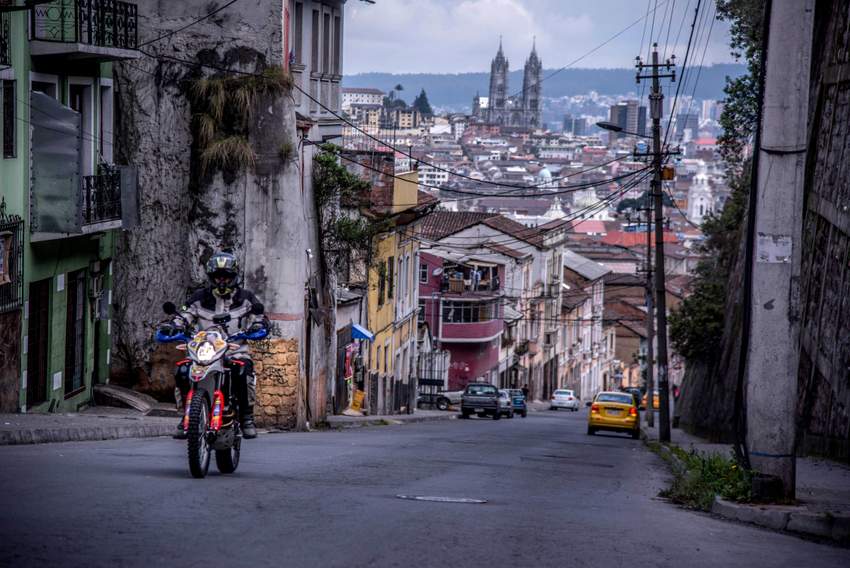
(103, 30)
(5, 38)
(471, 321)
(102, 200)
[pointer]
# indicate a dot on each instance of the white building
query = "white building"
(700, 197)
(361, 96)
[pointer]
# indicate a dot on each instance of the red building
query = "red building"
(460, 298)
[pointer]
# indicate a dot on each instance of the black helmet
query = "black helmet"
(223, 273)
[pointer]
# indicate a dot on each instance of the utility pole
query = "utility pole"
(650, 328)
(775, 245)
(655, 102)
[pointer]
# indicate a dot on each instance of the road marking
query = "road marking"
(436, 499)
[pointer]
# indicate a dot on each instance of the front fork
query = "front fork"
(219, 415)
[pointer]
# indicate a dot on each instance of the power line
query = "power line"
(590, 52)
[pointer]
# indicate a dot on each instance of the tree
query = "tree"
(421, 104)
(697, 327)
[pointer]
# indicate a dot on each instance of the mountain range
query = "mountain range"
(454, 91)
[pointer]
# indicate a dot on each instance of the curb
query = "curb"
(794, 519)
(92, 433)
(388, 421)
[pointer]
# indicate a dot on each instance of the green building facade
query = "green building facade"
(63, 199)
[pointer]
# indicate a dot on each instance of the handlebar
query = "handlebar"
(241, 336)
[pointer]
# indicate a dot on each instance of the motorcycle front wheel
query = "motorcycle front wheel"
(199, 449)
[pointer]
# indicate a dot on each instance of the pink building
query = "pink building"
(460, 298)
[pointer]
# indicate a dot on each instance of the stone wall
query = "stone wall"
(276, 363)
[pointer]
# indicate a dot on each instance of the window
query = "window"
(298, 34)
(420, 316)
(377, 363)
(468, 312)
(326, 44)
(337, 46)
(106, 126)
(390, 276)
(423, 273)
(314, 41)
(9, 150)
(75, 329)
(382, 282)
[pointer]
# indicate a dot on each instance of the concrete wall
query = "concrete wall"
(265, 214)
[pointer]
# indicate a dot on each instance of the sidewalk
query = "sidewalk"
(823, 494)
(388, 419)
(98, 423)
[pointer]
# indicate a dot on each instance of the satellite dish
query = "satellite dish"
(437, 271)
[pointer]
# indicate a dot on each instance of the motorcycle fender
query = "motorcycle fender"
(225, 439)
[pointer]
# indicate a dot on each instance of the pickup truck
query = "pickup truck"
(481, 399)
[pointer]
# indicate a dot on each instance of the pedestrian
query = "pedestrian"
(476, 279)
(525, 391)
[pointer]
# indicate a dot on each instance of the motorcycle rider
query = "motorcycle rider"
(224, 295)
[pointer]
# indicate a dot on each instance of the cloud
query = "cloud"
(445, 36)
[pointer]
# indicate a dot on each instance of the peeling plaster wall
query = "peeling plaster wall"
(264, 215)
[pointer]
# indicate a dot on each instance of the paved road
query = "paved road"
(555, 497)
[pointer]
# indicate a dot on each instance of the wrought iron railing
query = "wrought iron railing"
(102, 196)
(11, 260)
(104, 23)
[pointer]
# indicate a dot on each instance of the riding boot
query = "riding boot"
(249, 429)
(181, 387)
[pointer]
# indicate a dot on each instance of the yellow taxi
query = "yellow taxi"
(614, 411)
(655, 404)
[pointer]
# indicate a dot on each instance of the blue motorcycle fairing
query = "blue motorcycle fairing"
(162, 338)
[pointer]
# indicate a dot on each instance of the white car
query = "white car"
(563, 398)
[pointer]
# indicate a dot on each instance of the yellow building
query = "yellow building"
(393, 298)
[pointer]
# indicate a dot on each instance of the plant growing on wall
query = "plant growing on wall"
(223, 108)
(345, 238)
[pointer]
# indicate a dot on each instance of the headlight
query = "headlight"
(205, 352)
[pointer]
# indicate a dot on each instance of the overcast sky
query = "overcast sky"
(444, 36)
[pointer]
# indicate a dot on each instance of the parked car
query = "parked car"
(518, 401)
(506, 404)
(614, 411)
(481, 399)
(635, 392)
(441, 400)
(563, 398)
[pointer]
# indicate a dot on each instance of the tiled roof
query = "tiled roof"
(624, 239)
(507, 251)
(517, 230)
(441, 224)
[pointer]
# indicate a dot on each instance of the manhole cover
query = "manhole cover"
(438, 499)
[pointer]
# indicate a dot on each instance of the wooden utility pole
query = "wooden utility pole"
(656, 99)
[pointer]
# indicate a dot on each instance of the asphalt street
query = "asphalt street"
(554, 497)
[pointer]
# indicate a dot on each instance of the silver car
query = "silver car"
(563, 398)
(506, 405)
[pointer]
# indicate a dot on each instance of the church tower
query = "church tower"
(531, 78)
(498, 85)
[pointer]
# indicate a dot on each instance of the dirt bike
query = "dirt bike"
(211, 409)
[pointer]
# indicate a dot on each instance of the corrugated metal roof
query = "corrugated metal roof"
(583, 266)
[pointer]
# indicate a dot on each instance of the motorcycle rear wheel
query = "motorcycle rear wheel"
(198, 447)
(228, 460)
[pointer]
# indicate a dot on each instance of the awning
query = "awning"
(360, 332)
(511, 315)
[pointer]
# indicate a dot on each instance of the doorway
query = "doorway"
(37, 342)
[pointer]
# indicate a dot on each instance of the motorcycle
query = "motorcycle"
(211, 409)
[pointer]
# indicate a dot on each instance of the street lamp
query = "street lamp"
(615, 128)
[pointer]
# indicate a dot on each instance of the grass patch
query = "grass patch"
(704, 477)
